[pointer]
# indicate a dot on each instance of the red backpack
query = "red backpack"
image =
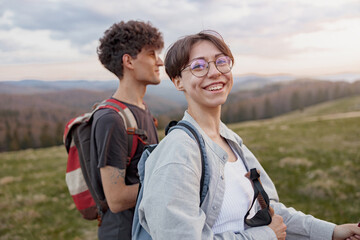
(77, 143)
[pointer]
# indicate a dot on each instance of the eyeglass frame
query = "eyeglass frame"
(208, 68)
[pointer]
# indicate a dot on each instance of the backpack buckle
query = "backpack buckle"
(136, 131)
(131, 130)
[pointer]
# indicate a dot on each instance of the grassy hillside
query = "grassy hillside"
(34, 199)
(312, 156)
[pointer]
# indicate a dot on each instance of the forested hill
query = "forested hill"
(279, 98)
(32, 120)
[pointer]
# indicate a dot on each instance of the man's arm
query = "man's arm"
(119, 196)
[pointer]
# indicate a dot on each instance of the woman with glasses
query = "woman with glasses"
(200, 66)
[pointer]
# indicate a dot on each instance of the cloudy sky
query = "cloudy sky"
(57, 39)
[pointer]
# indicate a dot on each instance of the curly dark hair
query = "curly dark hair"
(178, 54)
(126, 38)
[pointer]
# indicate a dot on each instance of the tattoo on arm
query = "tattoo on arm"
(117, 176)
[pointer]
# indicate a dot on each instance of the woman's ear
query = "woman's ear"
(127, 61)
(178, 83)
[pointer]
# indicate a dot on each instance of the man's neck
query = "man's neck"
(131, 92)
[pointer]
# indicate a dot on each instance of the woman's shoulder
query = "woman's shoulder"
(178, 141)
(176, 148)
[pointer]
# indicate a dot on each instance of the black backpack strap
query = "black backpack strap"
(204, 180)
(263, 216)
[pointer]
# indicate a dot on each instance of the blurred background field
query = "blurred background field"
(313, 157)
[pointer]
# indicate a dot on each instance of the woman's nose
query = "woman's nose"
(213, 71)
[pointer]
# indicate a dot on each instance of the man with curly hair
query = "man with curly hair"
(130, 50)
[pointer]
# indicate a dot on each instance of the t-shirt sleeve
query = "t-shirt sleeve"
(111, 141)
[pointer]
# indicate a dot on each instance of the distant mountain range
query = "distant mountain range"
(33, 113)
(347, 77)
(166, 88)
(156, 96)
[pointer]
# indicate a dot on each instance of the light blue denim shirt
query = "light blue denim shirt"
(170, 205)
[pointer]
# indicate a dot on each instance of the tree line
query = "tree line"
(30, 127)
(18, 137)
(278, 99)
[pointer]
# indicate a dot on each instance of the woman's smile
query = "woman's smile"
(215, 87)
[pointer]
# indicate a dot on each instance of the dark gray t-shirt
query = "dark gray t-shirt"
(109, 147)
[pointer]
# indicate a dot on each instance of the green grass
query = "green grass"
(34, 199)
(314, 164)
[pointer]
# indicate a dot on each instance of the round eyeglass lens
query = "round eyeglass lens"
(223, 64)
(199, 67)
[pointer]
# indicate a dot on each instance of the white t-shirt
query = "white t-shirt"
(238, 197)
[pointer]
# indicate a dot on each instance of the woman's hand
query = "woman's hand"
(278, 226)
(347, 232)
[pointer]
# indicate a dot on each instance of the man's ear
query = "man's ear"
(127, 61)
(178, 83)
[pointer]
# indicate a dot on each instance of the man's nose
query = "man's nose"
(159, 62)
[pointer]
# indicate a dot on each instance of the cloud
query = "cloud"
(50, 31)
(64, 19)
(25, 46)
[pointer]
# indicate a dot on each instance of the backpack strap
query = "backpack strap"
(124, 111)
(138, 232)
(194, 133)
(262, 217)
(134, 133)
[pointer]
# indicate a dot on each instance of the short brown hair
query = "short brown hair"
(126, 38)
(179, 53)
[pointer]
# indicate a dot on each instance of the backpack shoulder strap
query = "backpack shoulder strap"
(122, 109)
(119, 107)
(134, 133)
(262, 217)
(194, 133)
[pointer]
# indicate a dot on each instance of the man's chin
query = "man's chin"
(156, 82)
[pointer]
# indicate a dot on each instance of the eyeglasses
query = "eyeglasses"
(200, 67)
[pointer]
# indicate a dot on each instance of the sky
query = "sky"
(57, 39)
